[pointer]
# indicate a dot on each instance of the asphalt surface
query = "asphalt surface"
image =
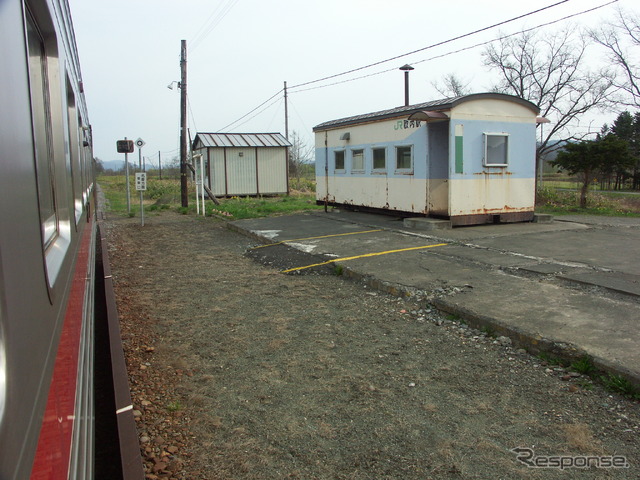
(570, 287)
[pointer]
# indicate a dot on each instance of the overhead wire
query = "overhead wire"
(431, 46)
(220, 12)
(296, 88)
(253, 110)
(236, 124)
(503, 37)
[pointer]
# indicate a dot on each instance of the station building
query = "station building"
(470, 159)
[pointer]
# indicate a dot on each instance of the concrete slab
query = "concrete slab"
(617, 282)
(427, 224)
(473, 272)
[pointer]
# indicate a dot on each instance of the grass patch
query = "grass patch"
(165, 194)
(174, 406)
(489, 332)
(566, 202)
(551, 360)
(338, 270)
(619, 384)
(584, 366)
(254, 207)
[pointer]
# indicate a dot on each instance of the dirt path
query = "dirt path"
(240, 372)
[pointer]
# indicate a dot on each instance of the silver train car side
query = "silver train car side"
(48, 244)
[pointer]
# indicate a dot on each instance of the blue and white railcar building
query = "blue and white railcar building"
(470, 159)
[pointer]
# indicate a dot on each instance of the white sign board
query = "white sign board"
(141, 181)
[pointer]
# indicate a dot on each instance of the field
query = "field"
(557, 196)
(165, 195)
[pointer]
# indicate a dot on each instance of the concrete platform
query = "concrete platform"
(568, 287)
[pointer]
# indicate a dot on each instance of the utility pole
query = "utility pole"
(184, 195)
(286, 113)
(160, 164)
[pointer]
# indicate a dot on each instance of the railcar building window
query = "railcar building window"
(339, 159)
(357, 160)
(41, 117)
(404, 158)
(496, 149)
(379, 158)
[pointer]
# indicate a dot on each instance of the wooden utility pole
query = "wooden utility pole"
(160, 164)
(286, 113)
(184, 194)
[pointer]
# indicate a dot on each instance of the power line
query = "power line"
(253, 110)
(277, 100)
(212, 22)
(430, 46)
(456, 51)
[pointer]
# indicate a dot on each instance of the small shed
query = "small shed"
(244, 163)
(470, 159)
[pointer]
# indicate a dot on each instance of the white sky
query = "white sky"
(130, 52)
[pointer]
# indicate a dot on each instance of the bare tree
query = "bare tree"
(621, 38)
(550, 71)
(300, 153)
(451, 86)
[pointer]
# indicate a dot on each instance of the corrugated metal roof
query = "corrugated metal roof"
(241, 140)
(437, 105)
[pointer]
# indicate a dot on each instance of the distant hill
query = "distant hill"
(117, 165)
(114, 165)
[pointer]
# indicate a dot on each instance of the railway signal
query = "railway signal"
(126, 146)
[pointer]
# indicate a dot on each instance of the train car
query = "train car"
(48, 238)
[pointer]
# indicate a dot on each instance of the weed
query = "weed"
(490, 332)
(584, 365)
(174, 406)
(183, 210)
(551, 360)
(619, 384)
(338, 270)
(452, 317)
(585, 384)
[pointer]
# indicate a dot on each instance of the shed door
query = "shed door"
(241, 171)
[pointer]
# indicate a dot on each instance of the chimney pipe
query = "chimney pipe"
(406, 68)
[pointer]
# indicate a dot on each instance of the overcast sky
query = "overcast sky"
(241, 51)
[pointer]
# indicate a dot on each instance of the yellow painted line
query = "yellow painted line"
(313, 238)
(345, 259)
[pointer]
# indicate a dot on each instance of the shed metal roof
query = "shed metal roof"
(434, 105)
(240, 140)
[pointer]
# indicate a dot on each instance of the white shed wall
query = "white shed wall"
(247, 171)
(272, 170)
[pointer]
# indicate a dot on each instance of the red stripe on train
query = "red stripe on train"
(54, 444)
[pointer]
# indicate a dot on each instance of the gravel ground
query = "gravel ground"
(240, 372)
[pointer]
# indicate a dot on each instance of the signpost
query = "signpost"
(143, 179)
(126, 146)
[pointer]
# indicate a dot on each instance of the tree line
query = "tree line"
(555, 71)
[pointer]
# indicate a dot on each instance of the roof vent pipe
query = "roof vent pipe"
(406, 69)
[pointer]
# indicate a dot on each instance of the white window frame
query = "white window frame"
(403, 170)
(485, 159)
(373, 160)
(344, 161)
(359, 152)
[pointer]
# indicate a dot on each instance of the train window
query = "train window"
(75, 134)
(42, 131)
